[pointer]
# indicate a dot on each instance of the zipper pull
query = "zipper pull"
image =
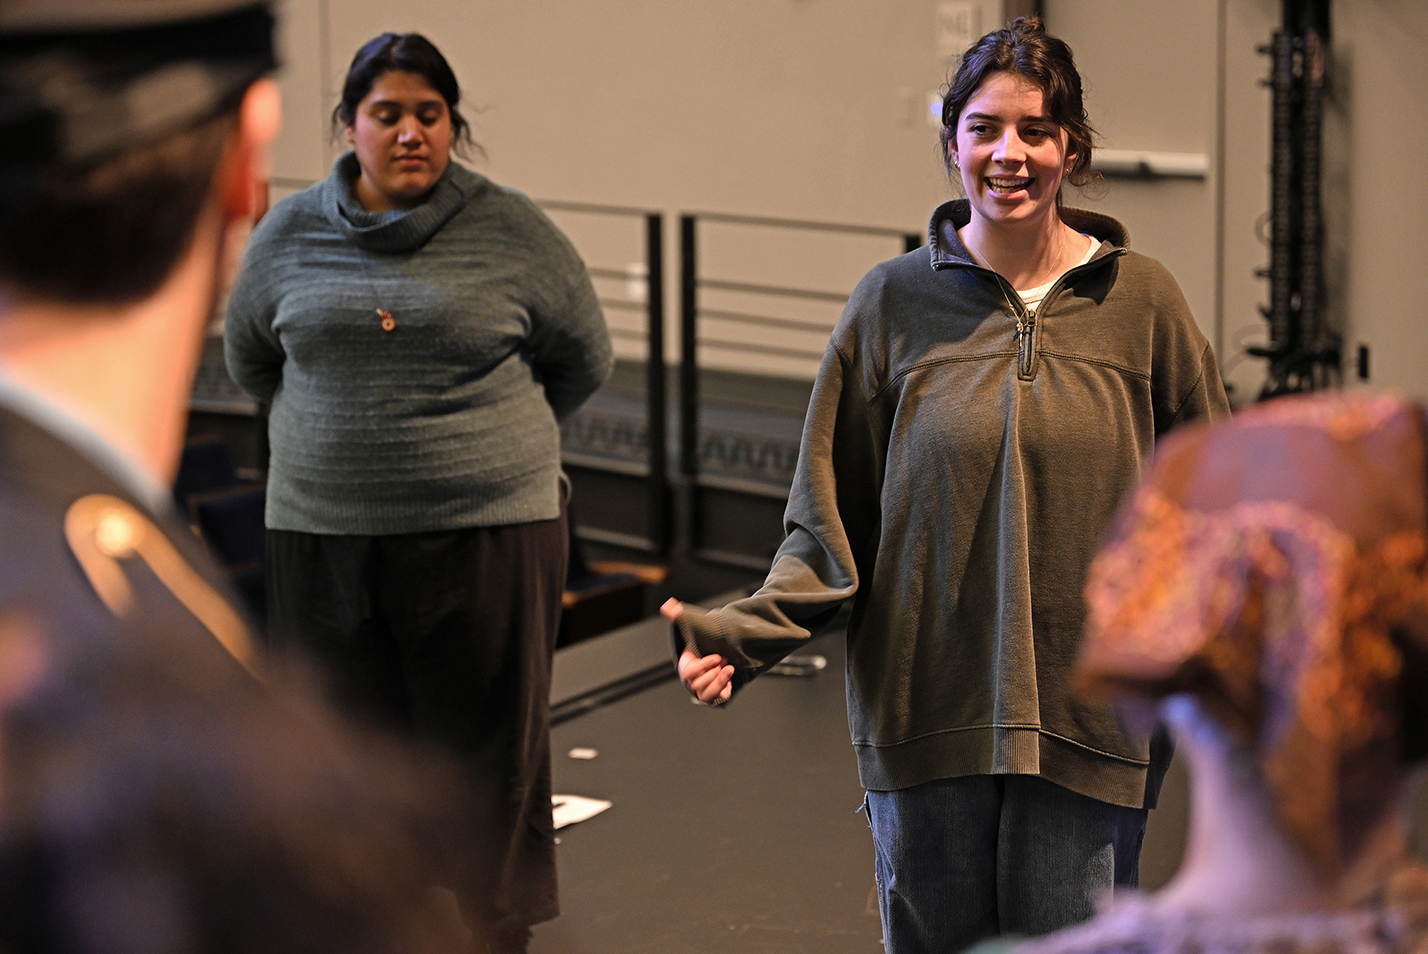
(1024, 328)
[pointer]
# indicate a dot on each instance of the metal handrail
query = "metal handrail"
(658, 506)
(782, 290)
(622, 304)
(742, 317)
(779, 350)
(803, 225)
(596, 208)
(691, 283)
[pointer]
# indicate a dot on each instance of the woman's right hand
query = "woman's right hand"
(708, 677)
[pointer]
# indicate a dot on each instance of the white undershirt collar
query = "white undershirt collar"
(1034, 296)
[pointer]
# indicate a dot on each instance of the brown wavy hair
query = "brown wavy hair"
(1025, 49)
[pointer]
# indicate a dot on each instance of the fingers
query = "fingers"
(723, 687)
(691, 665)
(708, 677)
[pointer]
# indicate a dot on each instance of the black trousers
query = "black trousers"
(448, 636)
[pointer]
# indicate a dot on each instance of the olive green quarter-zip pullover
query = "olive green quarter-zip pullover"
(960, 461)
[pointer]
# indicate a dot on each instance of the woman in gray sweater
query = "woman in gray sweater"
(983, 405)
(417, 332)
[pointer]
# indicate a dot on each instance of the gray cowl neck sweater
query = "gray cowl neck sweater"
(396, 230)
(447, 420)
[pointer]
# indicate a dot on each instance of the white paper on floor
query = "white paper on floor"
(569, 809)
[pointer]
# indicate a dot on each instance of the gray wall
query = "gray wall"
(1185, 77)
(816, 109)
(1378, 186)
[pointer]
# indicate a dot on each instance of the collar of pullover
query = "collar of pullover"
(398, 230)
(948, 250)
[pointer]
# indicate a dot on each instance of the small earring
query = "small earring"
(955, 163)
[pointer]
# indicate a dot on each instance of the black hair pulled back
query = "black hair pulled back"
(407, 53)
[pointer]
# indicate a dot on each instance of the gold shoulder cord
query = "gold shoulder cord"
(102, 530)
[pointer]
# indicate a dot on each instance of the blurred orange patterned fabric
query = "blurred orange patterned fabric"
(1275, 567)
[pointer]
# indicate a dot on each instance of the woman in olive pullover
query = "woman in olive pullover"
(983, 406)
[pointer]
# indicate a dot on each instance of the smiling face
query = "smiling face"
(1010, 154)
(402, 135)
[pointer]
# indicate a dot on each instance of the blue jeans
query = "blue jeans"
(962, 859)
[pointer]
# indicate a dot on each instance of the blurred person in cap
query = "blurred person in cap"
(154, 795)
(132, 137)
(1265, 595)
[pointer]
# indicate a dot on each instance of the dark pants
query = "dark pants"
(448, 636)
(962, 859)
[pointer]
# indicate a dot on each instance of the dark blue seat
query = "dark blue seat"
(601, 596)
(230, 522)
(206, 465)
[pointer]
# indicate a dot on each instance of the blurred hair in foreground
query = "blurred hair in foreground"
(1265, 593)
(156, 801)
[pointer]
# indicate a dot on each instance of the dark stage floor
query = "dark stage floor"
(731, 830)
